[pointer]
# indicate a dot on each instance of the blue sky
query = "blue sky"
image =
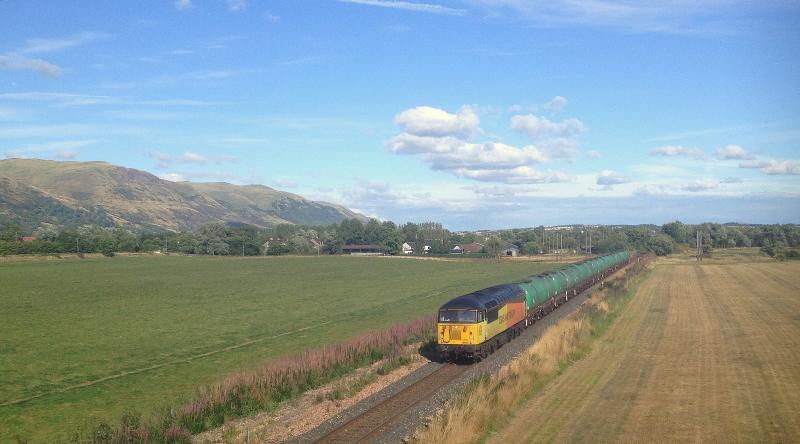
(475, 113)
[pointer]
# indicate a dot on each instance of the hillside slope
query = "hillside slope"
(34, 191)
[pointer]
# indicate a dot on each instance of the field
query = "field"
(703, 353)
(93, 337)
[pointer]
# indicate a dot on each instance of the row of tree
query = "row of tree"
(225, 239)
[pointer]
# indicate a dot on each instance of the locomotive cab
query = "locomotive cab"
(466, 325)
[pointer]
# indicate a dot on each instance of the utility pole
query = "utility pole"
(77, 245)
(699, 246)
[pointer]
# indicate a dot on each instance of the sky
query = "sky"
(479, 114)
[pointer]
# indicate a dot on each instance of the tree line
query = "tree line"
(220, 239)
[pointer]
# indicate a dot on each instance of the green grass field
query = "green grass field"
(94, 337)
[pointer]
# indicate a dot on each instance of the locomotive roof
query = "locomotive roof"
(485, 299)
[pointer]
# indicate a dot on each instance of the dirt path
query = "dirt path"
(703, 353)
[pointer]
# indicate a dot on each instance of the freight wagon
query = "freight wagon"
(472, 326)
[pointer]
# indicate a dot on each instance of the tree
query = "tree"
(213, 238)
(10, 232)
(677, 231)
(494, 246)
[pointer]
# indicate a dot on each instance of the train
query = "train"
(472, 326)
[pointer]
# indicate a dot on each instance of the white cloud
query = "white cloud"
(39, 45)
(557, 104)
(66, 154)
(773, 167)
(732, 180)
(442, 140)
(673, 151)
(609, 178)
(183, 5)
(173, 177)
(677, 16)
(700, 186)
(69, 99)
(14, 62)
(410, 6)
(434, 122)
(237, 5)
(732, 152)
(165, 160)
(537, 127)
(60, 149)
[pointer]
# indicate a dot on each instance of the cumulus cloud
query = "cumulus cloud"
(442, 140)
(700, 185)
(674, 151)
(434, 122)
(557, 104)
(556, 139)
(773, 167)
(14, 62)
(609, 178)
(537, 127)
(409, 6)
(732, 152)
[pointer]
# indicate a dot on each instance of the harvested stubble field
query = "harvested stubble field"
(95, 337)
(703, 353)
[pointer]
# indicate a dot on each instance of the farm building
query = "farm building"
(409, 247)
(363, 250)
(457, 250)
(511, 250)
(472, 248)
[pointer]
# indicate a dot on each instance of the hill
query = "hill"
(35, 191)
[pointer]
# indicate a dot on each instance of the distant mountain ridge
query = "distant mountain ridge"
(34, 191)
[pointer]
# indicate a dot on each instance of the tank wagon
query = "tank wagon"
(474, 325)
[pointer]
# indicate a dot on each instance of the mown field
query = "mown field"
(94, 337)
(703, 353)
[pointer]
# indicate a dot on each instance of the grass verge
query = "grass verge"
(487, 404)
(263, 389)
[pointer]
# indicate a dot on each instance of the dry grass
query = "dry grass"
(703, 353)
(486, 405)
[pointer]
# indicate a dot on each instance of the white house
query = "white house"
(408, 247)
(456, 250)
(426, 249)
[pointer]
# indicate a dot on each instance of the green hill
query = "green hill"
(35, 191)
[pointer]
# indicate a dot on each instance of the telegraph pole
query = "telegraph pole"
(699, 246)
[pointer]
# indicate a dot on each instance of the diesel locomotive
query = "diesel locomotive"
(472, 326)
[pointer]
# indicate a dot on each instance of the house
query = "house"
(456, 250)
(426, 249)
(511, 250)
(364, 250)
(28, 238)
(315, 244)
(472, 248)
(409, 247)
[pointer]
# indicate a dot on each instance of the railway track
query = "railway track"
(378, 420)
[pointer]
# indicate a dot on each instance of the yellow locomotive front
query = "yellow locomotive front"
(460, 326)
(474, 325)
